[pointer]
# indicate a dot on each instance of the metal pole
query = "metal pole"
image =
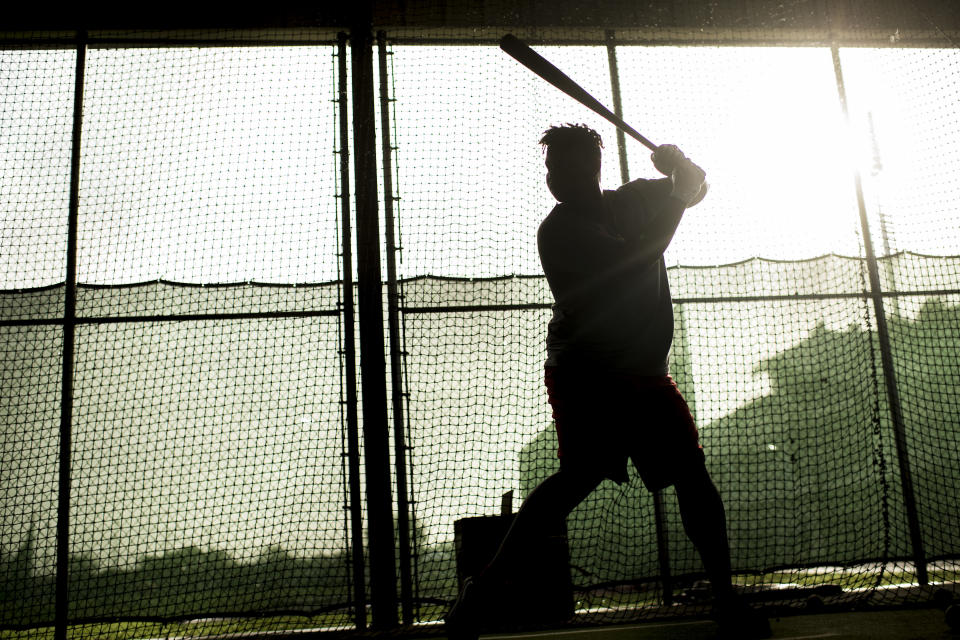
(663, 548)
(376, 435)
(396, 348)
(355, 505)
(886, 356)
(69, 336)
(617, 104)
(881, 217)
(663, 551)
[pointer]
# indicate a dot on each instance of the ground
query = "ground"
(918, 624)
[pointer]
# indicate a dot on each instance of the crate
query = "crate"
(538, 593)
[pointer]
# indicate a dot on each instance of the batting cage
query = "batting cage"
(273, 318)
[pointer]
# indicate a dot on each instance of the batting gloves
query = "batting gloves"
(689, 184)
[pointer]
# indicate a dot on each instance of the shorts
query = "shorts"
(603, 419)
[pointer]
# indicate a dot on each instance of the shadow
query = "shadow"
(183, 583)
(191, 583)
(808, 472)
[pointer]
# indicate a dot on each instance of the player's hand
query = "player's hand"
(666, 158)
(689, 180)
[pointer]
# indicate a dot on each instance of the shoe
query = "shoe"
(738, 621)
(462, 621)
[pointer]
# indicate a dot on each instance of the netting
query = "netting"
(212, 488)
(208, 439)
(779, 358)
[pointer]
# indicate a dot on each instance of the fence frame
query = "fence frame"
(383, 577)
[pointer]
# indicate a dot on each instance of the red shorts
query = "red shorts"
(603, 419)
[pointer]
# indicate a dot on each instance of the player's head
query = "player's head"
(573, 161)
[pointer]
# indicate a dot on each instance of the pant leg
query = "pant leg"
(543, 512)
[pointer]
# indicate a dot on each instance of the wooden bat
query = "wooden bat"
(546, 70)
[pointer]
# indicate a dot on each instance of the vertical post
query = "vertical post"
(886, 355)
(376, 436)
(663, 549)
(884, 231)
(69, 336)
(617, 104)
(355, 505)
(393, 325)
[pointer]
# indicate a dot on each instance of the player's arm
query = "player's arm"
(649, 226)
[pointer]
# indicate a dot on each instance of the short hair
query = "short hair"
(572, 137)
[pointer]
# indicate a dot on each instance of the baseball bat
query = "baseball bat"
(532, 60)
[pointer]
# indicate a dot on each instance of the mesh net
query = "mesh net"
(211, 490)
(208, 477)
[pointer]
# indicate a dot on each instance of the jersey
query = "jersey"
(612, 307)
